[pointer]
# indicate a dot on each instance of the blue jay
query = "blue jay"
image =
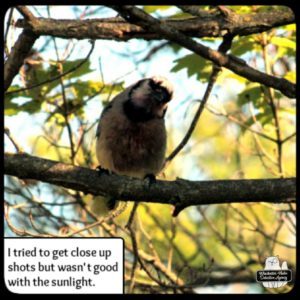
(131, 134)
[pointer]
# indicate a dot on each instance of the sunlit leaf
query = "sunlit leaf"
(93, 88)
(283, 42)
(242, 45)
(265, 117)
(31, 106)
(289, 27)
(253, 93)
(152, 8)
(288, 110)
(291, 76)
(9, 97)
(82, 70)
(11, 109)
(195, 65)
(237, 77)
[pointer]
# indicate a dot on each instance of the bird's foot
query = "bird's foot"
(151, 179)
(102, 171)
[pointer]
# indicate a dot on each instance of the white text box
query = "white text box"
(61, 265)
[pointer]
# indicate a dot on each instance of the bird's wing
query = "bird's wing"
(105, 110)
(119, 98)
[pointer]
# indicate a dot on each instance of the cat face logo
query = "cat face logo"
(274, 275)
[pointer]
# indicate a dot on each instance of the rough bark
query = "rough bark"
(137, 16)
(17, 55)
(143, 25)
(180, 193)
(214, 25)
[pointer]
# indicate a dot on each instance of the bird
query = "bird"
(131, 135)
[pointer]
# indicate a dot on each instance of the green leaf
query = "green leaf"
(9, 97)
(248, 123)
(236, 77)
(82, 70)
(283, 42)
(288, 110)
(265, 117)
(175, 47)
(11, 109)
(291, 76)
(40, 75)
(253, 93)
(89, 88)
(31, 107)
(195, 65)
(289, 27)
(152, 8)
(47, 74)
(243, 45)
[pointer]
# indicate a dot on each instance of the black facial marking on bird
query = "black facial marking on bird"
(148, 99)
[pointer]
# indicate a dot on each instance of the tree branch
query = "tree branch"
(26, 13)
(178, 31)
(212, 25)
(137, 16)
(17, 55)
(180, 193)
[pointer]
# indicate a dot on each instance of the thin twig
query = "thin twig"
(21, 232)
(270, 94)
(131, 217)
(223, 240)
(241, 123)
(16, 145)
(224, 47)
(135, 259)
(65, 103)
(288, 137)
(153, 51)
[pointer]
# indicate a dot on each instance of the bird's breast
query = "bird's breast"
(134, 148)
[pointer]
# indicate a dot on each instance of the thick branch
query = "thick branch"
(147, 27)
(139, 17)
(26, 13)
(212, 25)
(180, 193)
(17, 55)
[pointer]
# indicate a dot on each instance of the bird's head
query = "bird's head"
(148, 99)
